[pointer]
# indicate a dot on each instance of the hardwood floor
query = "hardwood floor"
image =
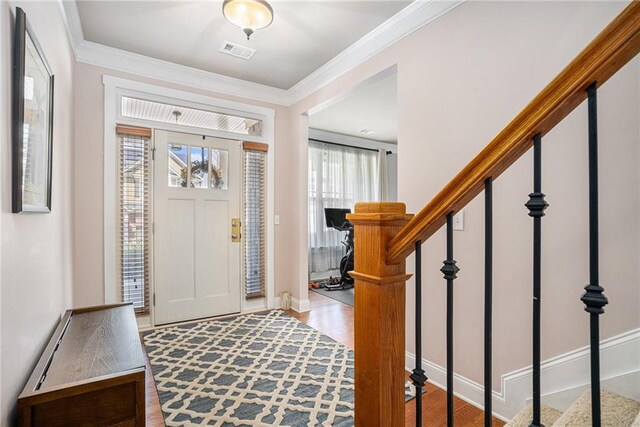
(330, 317)
(152, 402)
(335, 319)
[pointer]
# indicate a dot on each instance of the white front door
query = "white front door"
(196, 198)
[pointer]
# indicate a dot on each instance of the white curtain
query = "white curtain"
(383, 176)
(392, 172)
(338, 178)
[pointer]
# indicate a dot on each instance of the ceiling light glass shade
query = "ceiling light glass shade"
(250, 15)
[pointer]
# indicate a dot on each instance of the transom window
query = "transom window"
(167, 113)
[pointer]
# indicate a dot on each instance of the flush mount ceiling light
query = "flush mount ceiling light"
(250, 15)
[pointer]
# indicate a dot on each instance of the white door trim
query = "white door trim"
(114, 88)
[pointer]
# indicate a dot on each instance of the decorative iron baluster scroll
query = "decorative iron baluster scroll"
(450, 270)
(536, 205)
(418, 376)
(593, 297)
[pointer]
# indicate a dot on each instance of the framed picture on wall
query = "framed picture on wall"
(32, 122)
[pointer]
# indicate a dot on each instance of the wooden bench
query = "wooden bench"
(91, 373)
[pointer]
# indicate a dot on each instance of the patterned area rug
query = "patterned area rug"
(265, 369)
(258, 369)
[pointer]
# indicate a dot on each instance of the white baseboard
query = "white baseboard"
(253, 305)
(627, 384)
(300, 306)
(568, 375)
(464, 388)
(618, 357)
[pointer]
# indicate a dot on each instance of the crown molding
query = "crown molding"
(408, 20)
(121, 60)
(405, 22)
(71, 18)
(144, 66)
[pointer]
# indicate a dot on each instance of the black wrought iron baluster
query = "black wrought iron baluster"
(450, 270)
(488, 297)
(593, 297)
(536, 206)
(418, 376)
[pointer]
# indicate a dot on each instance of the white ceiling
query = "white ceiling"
(304, 35)
(373, 107)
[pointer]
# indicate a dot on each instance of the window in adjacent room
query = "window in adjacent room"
(339, 177)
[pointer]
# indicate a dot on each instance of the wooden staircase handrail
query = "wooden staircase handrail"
(616, 45)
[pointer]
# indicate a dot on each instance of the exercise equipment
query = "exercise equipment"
(337, 219)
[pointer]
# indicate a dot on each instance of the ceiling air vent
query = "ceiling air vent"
(237, 50)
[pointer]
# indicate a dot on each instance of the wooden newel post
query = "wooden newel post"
(379, 316)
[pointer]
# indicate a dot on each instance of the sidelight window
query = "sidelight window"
(134, 198)
(254, 226)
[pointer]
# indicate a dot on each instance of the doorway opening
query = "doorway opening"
(352, 157)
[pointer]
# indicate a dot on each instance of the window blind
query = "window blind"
(254, 224)
(134, 217)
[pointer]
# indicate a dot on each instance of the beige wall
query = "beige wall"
(531, 44)
(36, 250)
(89, 173)
(460, 80)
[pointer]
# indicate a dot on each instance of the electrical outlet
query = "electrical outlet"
(458, 221)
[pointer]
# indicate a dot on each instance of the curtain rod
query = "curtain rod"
(345, 145)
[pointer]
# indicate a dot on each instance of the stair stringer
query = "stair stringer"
(618, 357)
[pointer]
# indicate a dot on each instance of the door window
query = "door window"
(177, 170)
(199, 167)
(208, 167)
(219, 165)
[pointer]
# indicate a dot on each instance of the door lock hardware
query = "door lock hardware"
(235, 230)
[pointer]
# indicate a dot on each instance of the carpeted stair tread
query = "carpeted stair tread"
(548, 414)
(636, 423)
(617, 411)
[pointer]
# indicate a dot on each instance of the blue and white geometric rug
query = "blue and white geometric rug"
(264, 369)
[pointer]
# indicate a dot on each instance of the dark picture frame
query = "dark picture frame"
(32, 122)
